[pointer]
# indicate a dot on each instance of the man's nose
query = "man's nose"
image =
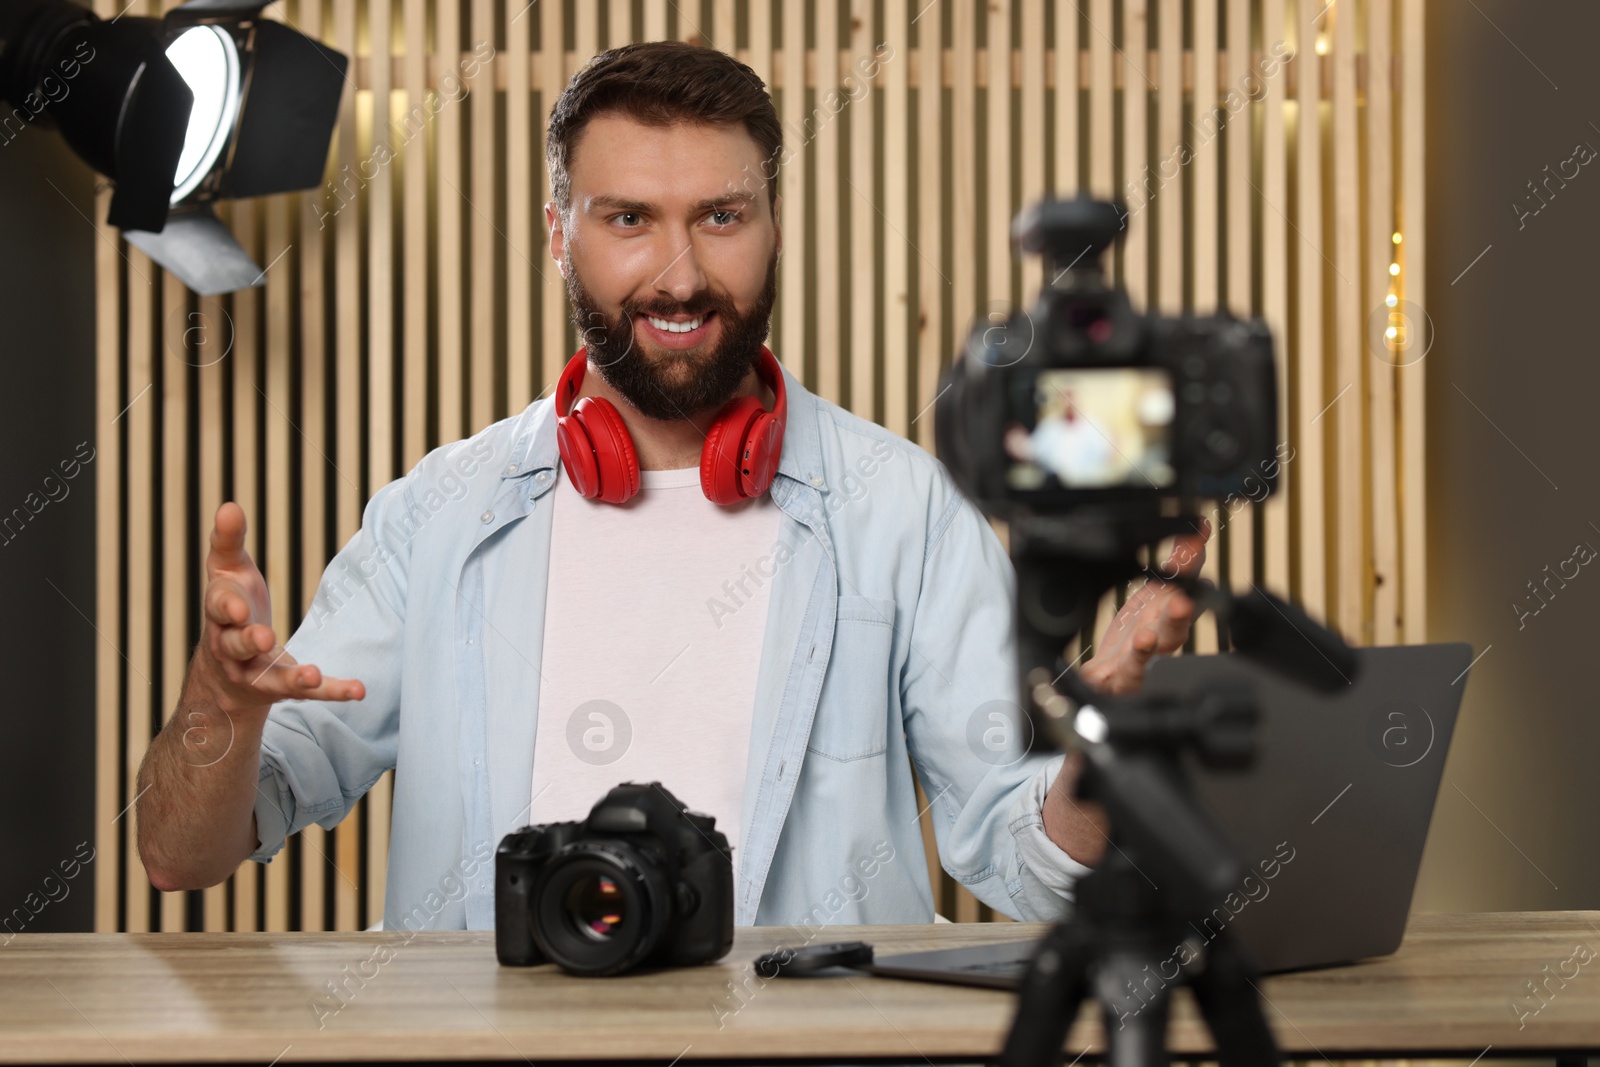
(680, 276)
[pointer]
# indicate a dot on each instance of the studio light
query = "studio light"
(211, 102)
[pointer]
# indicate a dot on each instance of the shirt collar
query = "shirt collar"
(534, 446)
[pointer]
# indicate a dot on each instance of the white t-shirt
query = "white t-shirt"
(653, 629)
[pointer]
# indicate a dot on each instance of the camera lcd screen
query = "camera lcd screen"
(1096, 428)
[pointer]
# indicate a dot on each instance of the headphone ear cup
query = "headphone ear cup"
(763, 442)
(577, 456)
(722, 478)
(615, 460)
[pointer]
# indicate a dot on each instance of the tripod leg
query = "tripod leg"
(1136, 1038)
(1232, 1008)
(1048, 1000)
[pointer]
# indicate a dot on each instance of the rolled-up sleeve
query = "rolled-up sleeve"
(318, 757)
(964, 725)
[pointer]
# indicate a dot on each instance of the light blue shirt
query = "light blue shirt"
(889, 635)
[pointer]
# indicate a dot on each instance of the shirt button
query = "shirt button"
(511, 469)
(487, 516)
(542, 477)
(816, 479)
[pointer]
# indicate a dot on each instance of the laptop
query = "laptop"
(1330, 820)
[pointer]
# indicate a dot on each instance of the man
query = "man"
(553, 606)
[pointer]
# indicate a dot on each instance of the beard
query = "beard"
(675, 384)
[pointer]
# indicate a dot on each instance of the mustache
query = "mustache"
(692, 310)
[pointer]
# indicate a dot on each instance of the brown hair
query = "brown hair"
(661, 83)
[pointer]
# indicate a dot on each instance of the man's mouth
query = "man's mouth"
(678, 332)
(670, 326)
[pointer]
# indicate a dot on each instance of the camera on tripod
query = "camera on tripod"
(1083, 401)
(642, 880)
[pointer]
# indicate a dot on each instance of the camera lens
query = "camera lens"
(595, 906)
(600, 907)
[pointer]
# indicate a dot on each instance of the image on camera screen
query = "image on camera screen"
(1099, 428)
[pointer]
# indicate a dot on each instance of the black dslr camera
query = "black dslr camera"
(642, 880)
(1082, 402)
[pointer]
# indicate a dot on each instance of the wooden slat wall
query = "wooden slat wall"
(408, 304)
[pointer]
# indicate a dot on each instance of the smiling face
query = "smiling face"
(670, 253)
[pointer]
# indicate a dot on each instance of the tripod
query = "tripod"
(1135, 932)
(1131, 937)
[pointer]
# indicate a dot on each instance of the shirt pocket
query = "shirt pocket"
(852, 720)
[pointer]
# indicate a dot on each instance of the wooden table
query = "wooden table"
(1451, 991)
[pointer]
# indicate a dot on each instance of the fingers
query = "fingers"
(242, 644)
(227, 539)
(306, 681)
(272, 674)
(225, 602)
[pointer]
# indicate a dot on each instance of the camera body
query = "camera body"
(1081, 401)
(641, 881)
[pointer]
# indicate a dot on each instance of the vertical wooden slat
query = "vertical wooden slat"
(1413, 412)
(1204, 237)
(1135, 131)
(1240, 267)
(1102, 172)
(414, 236)
(311, 295)
(522, 254)
(347, 453)
(1381, 251)
(1162, 190)
(174, 523)
(449, 238)
(1035, 133)
(1310, 427)
(655, 20)
(760, 51)
(897, 253)
(963, 173)
(830, 242)
(109, 797)
(997, 155)
(1275, 289)
(586, 37)
(1102, 104)
(213, 350)
(792, 351)
(380, 359)
(245, 359)
(553, 309)
(724, 26)
(481, 333)
(142, 299)
(1068, 75)
(1350, 517)
(277, 560)
(864, 227)
(619, 17)
(933, 290)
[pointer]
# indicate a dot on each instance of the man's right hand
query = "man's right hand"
(241, 663)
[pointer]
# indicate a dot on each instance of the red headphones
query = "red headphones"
(737, 462)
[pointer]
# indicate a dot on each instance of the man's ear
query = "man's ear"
(552, 219)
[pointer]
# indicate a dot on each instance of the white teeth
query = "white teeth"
(675, 327)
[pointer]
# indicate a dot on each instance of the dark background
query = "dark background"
(47, 648)
(1512, 87)
(1516, 336)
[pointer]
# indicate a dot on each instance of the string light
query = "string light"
(1396, 237)
(1394, 268)
(1391, 300)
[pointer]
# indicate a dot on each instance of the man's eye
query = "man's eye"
(625, 215)
(731, 217)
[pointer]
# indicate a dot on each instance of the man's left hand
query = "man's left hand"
(1155, 619)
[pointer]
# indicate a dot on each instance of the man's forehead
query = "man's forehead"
(626, 163)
